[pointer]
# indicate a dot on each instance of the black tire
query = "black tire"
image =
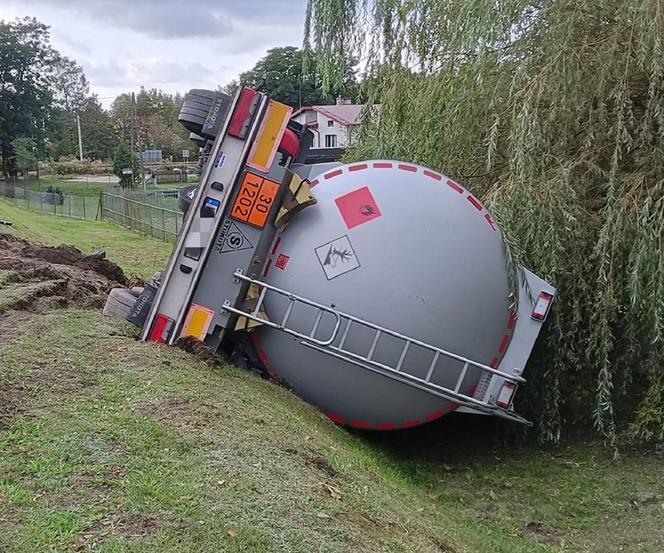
(119, 303)
(185, 197)
(201, 93)
(198, 103)
(194, 111)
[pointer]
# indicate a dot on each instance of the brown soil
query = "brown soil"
(199, 350)
(46, 277)
(43, 278)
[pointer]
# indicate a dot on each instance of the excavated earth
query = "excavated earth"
(38, 278)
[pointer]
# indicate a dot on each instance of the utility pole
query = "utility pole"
(140, 152)
(80, 141)
(133, 117)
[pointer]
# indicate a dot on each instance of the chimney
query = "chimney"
(342, 102)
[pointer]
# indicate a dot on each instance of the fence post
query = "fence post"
(100, 207)
(163, 222)
(84, 215)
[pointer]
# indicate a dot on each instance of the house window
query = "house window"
(330, 140)
(330, 123)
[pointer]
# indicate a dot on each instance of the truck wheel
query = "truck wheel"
(119, 303)
(185, 196)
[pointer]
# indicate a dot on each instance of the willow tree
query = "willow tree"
(553, 112)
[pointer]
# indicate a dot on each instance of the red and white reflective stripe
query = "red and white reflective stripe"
(542, 306)
(161, 329)
(506, 394)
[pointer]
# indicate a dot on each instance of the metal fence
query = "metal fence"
(74, 206)
(152, 214)
(141, 215)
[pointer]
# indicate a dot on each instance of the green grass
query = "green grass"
(111, 445)
(134, 253)
(117, 445)
(68, 186)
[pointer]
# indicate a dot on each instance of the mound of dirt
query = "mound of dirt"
(36, 278)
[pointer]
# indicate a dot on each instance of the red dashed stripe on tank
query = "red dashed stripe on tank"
(336, 419)
(473, 200)
(409, 168)
(432, 175)
(454, 186)
(386, 426)
(333, 174)
(505, 342)
(267, 267)
(360, 167)
(382, 165)
(276, 245)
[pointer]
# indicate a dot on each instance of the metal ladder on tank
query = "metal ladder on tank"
(341, 329)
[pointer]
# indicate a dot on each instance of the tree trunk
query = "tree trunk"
(8, 161)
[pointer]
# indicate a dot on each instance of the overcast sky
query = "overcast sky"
(173, 45)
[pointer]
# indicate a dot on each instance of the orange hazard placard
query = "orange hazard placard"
(255, 199)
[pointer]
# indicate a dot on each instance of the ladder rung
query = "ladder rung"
(259, 303)
(461, 377)
(373, 344)
(289, 310)
(432, 366)
(344, 335)
(403, 355)
(316, 323)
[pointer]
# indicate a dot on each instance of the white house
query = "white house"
(333, 126)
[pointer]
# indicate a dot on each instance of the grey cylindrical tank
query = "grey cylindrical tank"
(403, 247)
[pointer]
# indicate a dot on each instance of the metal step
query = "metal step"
(394, 371)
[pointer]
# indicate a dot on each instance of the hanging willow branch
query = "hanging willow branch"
(553, 112)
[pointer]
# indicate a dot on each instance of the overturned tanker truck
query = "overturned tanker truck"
(378, 291)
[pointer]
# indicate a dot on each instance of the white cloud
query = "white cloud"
(169, 44)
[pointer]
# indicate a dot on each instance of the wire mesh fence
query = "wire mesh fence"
(150, 213)
(141, 215)
(58, 203)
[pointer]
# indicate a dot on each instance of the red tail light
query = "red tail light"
(244, 113)
(506, 394)
(542, 306)
(290, 143)
(161, 329)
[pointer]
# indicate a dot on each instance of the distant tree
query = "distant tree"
(98, 135)
(123, 159)
(69, 84)
(229, 88)
(155, 123)
(26, 68)
(25, 151)
(281, 72)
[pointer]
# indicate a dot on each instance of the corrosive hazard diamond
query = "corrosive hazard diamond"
(358, 207)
